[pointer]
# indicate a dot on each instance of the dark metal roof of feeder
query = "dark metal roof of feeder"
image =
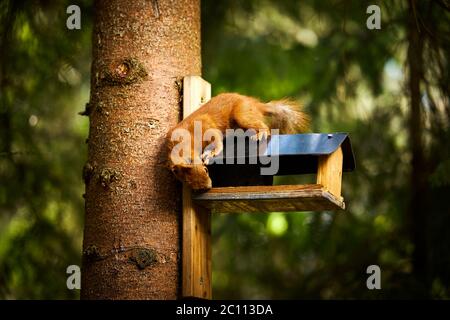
(298, 153)
(313, 144)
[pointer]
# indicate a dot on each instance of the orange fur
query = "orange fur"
(231, 111)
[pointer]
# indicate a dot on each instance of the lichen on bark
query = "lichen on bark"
(143, 258)
(107, 176)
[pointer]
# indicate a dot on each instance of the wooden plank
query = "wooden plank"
(252, 199)
(329, 172)
(196, 260)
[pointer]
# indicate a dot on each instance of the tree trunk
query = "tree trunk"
(141, 52)
(419, 170)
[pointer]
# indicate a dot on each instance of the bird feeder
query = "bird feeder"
(241, 188)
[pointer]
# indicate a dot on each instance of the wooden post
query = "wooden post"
(329, 172)
(196, 270)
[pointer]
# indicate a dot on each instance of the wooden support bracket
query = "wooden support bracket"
(196, 269)
(329, 172)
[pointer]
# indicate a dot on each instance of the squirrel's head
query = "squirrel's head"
(195, 175)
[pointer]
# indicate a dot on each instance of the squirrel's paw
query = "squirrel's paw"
(261, 135)
(210, 152)
(207, 156)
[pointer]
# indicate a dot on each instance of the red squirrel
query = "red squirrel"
(226, 111)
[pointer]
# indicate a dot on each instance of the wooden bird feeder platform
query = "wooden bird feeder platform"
(240, 188)
(327, 155)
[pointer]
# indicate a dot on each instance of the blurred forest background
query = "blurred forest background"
(388, 88)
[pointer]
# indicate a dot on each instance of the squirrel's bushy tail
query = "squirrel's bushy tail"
(287, 116)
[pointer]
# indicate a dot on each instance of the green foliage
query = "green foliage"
(351, 79)
(44, 82)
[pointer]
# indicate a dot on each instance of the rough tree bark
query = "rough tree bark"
(141, 52)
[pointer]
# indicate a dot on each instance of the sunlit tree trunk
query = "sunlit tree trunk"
(141, 51)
